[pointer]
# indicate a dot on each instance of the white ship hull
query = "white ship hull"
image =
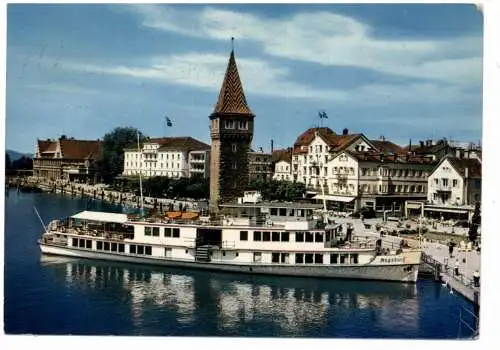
(394, 272)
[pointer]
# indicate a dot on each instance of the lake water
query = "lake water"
(57, 295)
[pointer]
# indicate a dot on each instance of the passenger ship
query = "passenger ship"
(249, 236)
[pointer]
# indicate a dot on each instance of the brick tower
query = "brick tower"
(231, 131)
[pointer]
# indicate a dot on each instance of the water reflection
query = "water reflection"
(233, 304)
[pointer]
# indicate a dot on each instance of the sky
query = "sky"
(396, 70)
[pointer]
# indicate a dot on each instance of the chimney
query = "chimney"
(421, 143)
(429, 143)
(272, 146)
(382, 138)
(345, 131)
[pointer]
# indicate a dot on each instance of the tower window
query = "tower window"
(243, 125)
(235, 165)
(229, 124)
(234, 147)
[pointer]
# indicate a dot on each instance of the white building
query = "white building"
(173, 157)
(455, 182)
(282, 160)
(315, 147)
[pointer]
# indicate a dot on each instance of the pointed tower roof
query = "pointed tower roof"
(231, 96)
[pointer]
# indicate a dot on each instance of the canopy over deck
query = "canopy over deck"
(101, 216)
(334, 198)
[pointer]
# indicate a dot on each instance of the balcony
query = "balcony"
(442, 188)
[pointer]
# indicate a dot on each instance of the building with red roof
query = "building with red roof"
(66, 159)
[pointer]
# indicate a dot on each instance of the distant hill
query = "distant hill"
(15, 155)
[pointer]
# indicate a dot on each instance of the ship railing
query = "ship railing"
(228, 244)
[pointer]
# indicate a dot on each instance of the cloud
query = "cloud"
(328, 39)
(206, 71)
(260, 78)
(62, 88)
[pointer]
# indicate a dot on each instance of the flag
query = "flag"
(169, 122)
(322, 115)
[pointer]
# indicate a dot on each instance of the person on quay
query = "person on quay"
(457, 267)
(475, 277)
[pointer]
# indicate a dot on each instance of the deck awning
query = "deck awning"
(101, 216)
(327, 197)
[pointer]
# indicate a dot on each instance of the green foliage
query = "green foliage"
(110, 162)
(278, 190)
(23, 163)
(8, 163)
(164, 187)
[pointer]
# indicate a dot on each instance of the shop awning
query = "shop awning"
(334, 198)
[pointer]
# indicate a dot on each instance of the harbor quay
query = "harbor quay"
(467, 262)
(101, 192)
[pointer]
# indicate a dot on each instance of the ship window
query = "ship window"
(106, 246)
(148, 250)
(75, 242)
(354, 258)
(309, 237)
(299, 258)
(257, 257)
(291, 212)
(176, 233)
(257, 236)
(318, 258)
(99, 245)
(275, 236)
(81, 243)
(114, 247)
(309, 258)
(156, 231)
(275, 257)
(274, 211)
(223, 253)
(285, 258)
(318, 237)
(282, 212)
(285, 236)
(133, 249)
(237, 254)
(342, 258)
(243, 235)
(140, 249)
(147, 231)
(300, 212)
(168, 232)
(334, 258)
(266, 236)
(299, 236)
(121, 248)
(88, 244)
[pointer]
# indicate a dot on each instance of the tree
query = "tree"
(110, 161)
(475, 222)
(278, 190)
(8, 163)
(23, 163)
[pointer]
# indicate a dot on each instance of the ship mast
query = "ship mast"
(140, 173)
